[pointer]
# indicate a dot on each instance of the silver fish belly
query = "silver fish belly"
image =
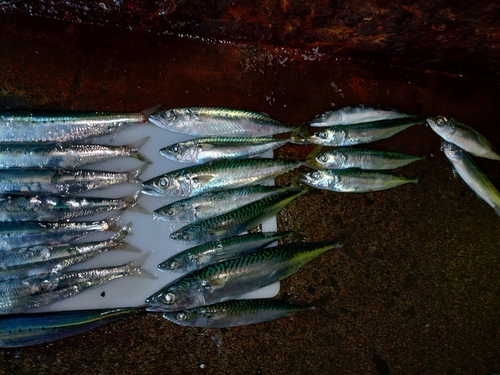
(472, 175)
(218, 121)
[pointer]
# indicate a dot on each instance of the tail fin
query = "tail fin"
(135, 267)
(133, 175)
(299, 135)
(122, 232)
(111, 221)
(133, 148)
(148, 112)
(311, 158)
(132, 204)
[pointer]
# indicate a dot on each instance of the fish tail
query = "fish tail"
(148, 112)
(133, 205)
(133, 175)
(112, 220)
(134, 147)
(122, 232)
(298, 136)
(418, 181)
(310, 159)
(135, 267)
(295, 232)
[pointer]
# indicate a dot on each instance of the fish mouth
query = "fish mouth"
(156, 309)
(156, 119)
(151, 190)
(307, 179)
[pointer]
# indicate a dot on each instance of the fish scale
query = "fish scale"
(230, 278)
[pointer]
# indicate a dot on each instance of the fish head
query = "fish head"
(177, 262)
(441, 125)
(322, 137)
(162, 186)
(184, 235)
(331, 159)
(452, 151)
(173, 152)
(164, 119)
(316, 179)
(180, 295)
(326, 117)
(166, 213)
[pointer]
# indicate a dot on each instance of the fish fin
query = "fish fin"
(342, 249)
(133, 205)
(122, 232)
(418, 181)
(298, 137)
(133, 175)
(295, 232)
(136, 264)
(125, 246)
(134, 150)
(148, 112)
(497, 210)
(112, 220)
(310, 159)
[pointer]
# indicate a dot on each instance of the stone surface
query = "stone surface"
(418, 293)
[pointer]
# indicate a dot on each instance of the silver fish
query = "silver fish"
(218, 121)
(202, 150)
(213, 203)
(353, 180)
(19, 207)
(19, 295)
(343, 158)
(32, 233)
(50, 259)
(366, 132)
(215, 251)
(63, 155)
(235, 313)
(39, 126)
(472, 175)
(357, 114)
(228, 279)
(217, 175)
(21, 330)
(62, 181)
(465, 137)
(238, 220)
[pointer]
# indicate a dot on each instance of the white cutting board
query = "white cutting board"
(147, 234)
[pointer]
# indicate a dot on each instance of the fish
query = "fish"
(20, 207)
(465, 137)
(354, 180)
(19, 295)
(354, 134)
(238, 220)
(344, 158)
(202, 150)
(62, 126)
(218, 121)
(357, 114)
(231, 278)
(50, 259)
(213, 203)
(64, 155)
(221, 249)
(235, 313)
(62, 181)
(32, 233)
(472, 175)
(217, 175)
(20, 330)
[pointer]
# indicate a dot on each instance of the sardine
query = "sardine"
(213, 203)
(21, 330)
(238, 220)
(359, 158)
(217, 175)
(357, 114)
(21, 234)
(215, 251)
(63, 155)
(354, 134)
(228, 279)
(62, 181)
(19, 207)
(465, 137)
(353, 180)
(202, 150)
(50, 259)
(472, 175)
(38, 126)
(217, 121)
(235, 313)
(19, 295)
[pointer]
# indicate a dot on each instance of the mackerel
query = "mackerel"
(215, 251)
(465, 137)
(472, 175)
(228, 279)
(218, 121)
(64, 155)
(217, 175)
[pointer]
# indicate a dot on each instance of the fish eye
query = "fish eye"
(174, 264)
(322, 158)
(176, 149)
(169, 298)
(181, 316)
(323, 135)
(171, 212)
(185, 236)
(170, 115)
(163, 182)
(316, 175)
(441, 120)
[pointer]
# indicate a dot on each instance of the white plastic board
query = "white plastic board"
(147, 234)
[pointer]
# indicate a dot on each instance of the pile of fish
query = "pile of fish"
(220, 196)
